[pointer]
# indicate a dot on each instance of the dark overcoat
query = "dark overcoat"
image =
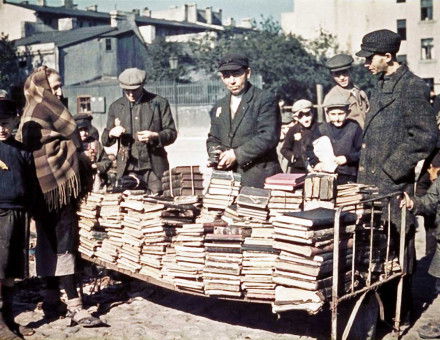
(428, 205)
(400, 130)
(253, 134)
(152, 113)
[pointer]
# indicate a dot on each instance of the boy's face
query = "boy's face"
(337, 116)
(342, 78)
(83, 133)
(305, 118)
(6, 127)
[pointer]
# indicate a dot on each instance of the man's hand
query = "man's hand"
(118, 130)
(147, 136)
(407, 201)
(227, 159)
(341, 160)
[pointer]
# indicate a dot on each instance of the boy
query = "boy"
(345, 136)
(17, 182)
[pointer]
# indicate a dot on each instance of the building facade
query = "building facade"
(417, 21)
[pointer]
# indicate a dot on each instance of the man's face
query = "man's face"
(305, 118)
(342, 78)
(235, 81)
(6, 127)
(56, 84)
(337, 116)
(133, 95)
(377, 63)
(83, 133)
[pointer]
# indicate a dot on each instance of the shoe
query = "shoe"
(54, 310)
(83, 318)
(431, 330)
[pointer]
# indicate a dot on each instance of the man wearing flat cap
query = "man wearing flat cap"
(400, 128)
(245, 125)
(142, 124)
(339, 67)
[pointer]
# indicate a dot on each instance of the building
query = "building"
(417, 21)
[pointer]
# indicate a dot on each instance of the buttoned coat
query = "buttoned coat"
(253, 134)
(152, 113)
(428, 205)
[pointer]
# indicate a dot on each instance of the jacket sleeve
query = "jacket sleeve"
(104, 163)
(168, 133)
(428, 203)
(287, 148)
(310, 154)
(421, 134)
(355, 152)
(105, 138)
(267, 134)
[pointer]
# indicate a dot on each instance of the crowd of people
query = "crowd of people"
(54, 159)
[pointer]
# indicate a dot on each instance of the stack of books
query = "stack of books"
(182, 181)
(351, 194)
(110, 218)
(169, 263)
(222, 272)
(222, 190)
(90, 235)
(252, 203)
(284, 201)
(284, 182)
(319, 190)
(190, 256)
(305, 241)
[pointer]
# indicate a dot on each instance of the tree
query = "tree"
(9, 71)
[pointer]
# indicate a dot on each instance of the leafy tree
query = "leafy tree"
(9, 71)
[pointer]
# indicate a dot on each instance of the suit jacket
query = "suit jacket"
(253, 134)
(153, 113)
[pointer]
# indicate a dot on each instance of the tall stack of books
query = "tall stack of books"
(252, 203)
(351, 194)
(305, 241)
(183, 181)
(319, 190)
(190, 256)
(286, 193)
(222, 190)
(222, 272)
(90, 235)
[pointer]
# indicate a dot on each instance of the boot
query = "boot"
(5, 332)
(53, 307)
(81, 316)
(8, 313)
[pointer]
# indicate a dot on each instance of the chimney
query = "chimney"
(115, 18)
(220, 14)
(136, 11)
(246, 23)
(66, 24)
(146, 12)
(69, 4)
(41, 2)
(230, 22)
(208, 14)
(92, 8)
(192, 13)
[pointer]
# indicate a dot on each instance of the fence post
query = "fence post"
(176, 104)
(320, 109)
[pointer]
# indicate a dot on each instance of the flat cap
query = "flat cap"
(301, 106)
(8, 109)
(336, 100)
(233, 62)
(339, 62)
(132, 78)
(381, 41)
(83, 116)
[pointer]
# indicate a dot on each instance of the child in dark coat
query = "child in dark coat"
(299, 136)
(346, 139)
(17, 183)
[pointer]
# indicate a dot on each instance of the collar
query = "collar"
(388, 82)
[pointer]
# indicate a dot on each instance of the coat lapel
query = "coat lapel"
(242, 110)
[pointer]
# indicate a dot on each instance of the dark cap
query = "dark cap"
(83, 124)
(132, 78)
(233, 62)
(381, 41)
(83, 116)
(339, 62)
(8, 109)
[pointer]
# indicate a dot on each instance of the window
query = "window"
(83, 104)
(425, 10)
(427, 49)
(402, 59)
(401, 28)
(108, 44)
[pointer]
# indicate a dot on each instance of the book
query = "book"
(309, 250)
(286, 179)
(253, 197)
(317, 217)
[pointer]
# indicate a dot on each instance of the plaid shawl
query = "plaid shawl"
(49, 130)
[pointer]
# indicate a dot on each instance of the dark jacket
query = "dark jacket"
(346, 141)
(400, 130)
(153, 113)
(295, 151)
(428, 205)
(253, 134)
(18, 182)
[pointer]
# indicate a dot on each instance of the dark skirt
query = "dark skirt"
(13, 244)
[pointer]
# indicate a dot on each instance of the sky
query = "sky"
(236, 9)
